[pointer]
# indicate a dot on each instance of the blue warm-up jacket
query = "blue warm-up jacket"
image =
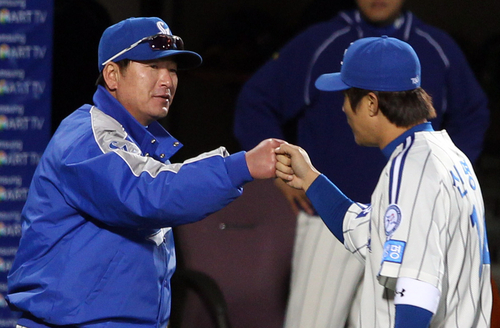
(97, 248)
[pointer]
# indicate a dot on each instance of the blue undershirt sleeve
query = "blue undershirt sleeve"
(330, 203)
(409, 316)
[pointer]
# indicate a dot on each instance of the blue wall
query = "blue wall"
(25, 106)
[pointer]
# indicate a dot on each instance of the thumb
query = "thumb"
(276, 142)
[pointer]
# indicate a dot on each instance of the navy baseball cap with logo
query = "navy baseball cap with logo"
(375, 63)
(143, 38)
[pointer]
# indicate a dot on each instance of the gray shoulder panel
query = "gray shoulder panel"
(110, 136)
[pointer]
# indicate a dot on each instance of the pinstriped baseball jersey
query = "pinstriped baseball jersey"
(426, 222)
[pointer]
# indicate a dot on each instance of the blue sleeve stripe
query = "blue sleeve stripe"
(396, 172)
(409, 316)
(330, 203)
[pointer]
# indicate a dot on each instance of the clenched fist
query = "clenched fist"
(261, 160)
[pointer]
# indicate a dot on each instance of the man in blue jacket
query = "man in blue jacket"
(280, 101)
(97, 248)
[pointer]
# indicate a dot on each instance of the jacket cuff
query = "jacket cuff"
(237, 169)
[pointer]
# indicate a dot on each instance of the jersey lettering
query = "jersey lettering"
(467, 171)
(483, 241)
(458, 182)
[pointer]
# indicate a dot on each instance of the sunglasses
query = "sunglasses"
(156, 42)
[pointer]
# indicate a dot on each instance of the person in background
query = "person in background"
(97, 246)
(280, 101)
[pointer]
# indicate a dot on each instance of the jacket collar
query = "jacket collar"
(153, 140)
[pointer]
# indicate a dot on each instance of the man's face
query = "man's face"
(147, 88)
(380, 12)
(360, 122)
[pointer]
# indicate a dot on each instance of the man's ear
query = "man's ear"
(373, 109)
(111, 75)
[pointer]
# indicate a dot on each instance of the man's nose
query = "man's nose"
(165, 77)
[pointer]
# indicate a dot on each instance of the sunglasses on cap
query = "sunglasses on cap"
(156, 42)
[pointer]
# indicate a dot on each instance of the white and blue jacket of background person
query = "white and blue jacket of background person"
(97, 247)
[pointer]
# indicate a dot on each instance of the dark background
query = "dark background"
(235, 37)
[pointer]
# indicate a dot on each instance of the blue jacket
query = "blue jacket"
(97, 247)
(280, 99)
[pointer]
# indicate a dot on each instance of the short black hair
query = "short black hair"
(402, 108)
(122, 64)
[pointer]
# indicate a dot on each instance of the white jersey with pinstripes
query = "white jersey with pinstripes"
(426, 222)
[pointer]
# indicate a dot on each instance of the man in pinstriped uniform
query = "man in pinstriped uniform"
(423, 238)
(281, 101)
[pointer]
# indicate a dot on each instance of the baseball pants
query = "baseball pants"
(325, 279)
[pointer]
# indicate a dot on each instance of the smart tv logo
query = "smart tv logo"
(3, 87)
(3, 302)
(3, 159)
(4, 51)
(13, 195)
(5, 265)
(4, 16)
(33, 87)
(19, 158)
(22, 123)
(22, 16)
(10, 230)
(22, 52)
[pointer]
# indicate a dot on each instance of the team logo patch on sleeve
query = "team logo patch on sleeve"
(392, 219)
(394, 250)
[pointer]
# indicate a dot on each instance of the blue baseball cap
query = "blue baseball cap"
(375, 63)
(143, 38)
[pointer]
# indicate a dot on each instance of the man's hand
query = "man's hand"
(261, 160)
(297, 198)
(295, 167)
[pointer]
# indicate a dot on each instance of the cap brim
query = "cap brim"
(185, 59)
(330, 82)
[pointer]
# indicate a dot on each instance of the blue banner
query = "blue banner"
(26, 28)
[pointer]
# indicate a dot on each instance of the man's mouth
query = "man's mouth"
(167, 96)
